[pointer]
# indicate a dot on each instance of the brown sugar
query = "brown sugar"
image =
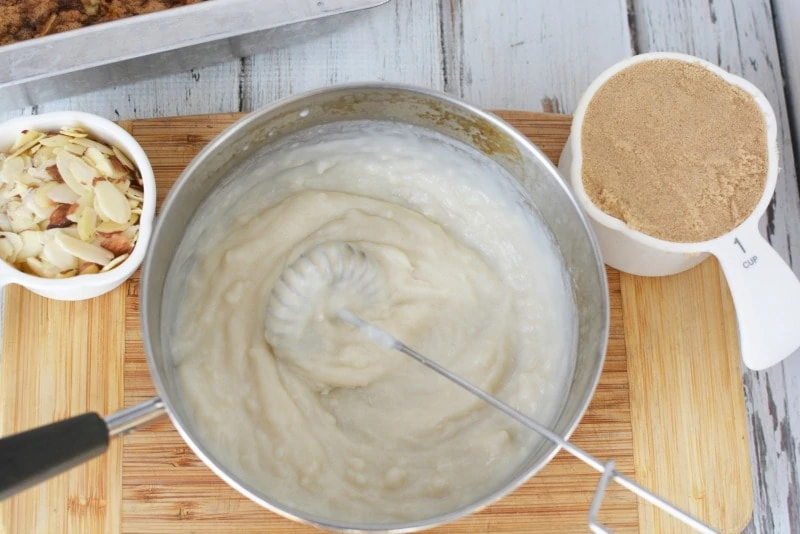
(674, 151)
(26, 19)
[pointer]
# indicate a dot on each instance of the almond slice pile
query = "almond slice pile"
(69, 205)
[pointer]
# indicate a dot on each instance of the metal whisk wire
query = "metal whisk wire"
(607, 469)
(340, 266)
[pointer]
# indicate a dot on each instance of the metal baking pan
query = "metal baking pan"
(174, 40)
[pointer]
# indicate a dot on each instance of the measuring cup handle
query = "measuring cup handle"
(766, 294)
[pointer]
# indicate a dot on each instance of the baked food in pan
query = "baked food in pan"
(27, 19)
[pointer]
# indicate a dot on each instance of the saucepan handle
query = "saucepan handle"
(33, 456)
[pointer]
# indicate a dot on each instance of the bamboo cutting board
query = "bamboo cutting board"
(669, 407)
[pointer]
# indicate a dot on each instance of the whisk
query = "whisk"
(343, 269)
(326, 274)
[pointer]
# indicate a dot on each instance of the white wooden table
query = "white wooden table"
(539, 55)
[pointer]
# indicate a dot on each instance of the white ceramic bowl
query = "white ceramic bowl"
(85, 286)
(765, 291)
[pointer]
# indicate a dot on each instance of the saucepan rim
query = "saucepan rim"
(169, 397)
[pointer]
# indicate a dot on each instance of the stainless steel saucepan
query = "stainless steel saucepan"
(32, 456)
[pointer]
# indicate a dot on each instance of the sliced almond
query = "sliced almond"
(32, 244)
(76, 210)
(7, 251)
(73, 213)
(118, 244)
(40, 213)
(73, 132)
(71, 231)
(89, 268)
(24, 138)
(83, 172)
(52, 170)
(107, 228)
(45, 153)
(64, 161)
(28, 179)
(41, 268)
(10, 245)
(131, 234)
(118, 170)
(113, 206)
(67, 274)
(58, 219)
(84, 251)
(12, 169)
(74, 148)
(40, 174)
(99, 161)
(137, 182)
(55, 140)
(62, 194)
(91, 143)
(135, 194)
(115, 262)
(5, 193)
(58, 256)
(17, 191)
(13, 205)
(123, 158)
(21, 217)
(42, 197)
(123, 185)
(87, 223)
(24, 148)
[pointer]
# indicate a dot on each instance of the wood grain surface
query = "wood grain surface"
(63, 359)
(670, 337)
(539, 56)
(669, 407)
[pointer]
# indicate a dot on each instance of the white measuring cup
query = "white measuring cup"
(765, 291)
